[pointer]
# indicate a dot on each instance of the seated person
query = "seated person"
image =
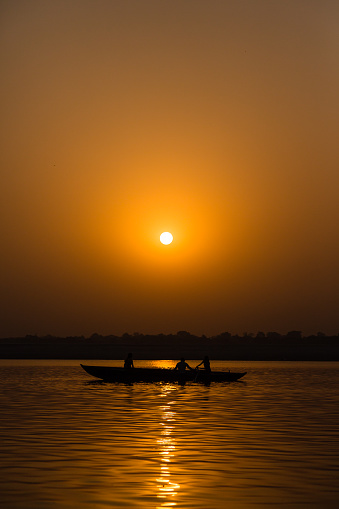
(206, 363)
(129, 362)
(182, 365)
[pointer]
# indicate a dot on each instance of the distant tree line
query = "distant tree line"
(294, 335)
(247, 346)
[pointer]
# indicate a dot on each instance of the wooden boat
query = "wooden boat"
(109, 374)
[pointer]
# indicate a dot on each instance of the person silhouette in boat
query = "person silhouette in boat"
(182, 365)
(206, 363)
(129, 361)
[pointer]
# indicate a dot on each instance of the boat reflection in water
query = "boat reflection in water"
(167, 488)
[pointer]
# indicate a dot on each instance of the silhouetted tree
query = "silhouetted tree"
(273, 335)
(226, 335)
(294, 334)
(183, 334)
(96, 336)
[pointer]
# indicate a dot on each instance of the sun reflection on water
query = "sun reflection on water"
(167, 489)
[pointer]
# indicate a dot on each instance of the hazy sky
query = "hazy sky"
(215, 120)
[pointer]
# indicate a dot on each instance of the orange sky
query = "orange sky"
(216, 121)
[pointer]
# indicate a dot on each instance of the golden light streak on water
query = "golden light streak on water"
(167, 488)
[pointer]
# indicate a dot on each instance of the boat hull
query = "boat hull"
(109, 374)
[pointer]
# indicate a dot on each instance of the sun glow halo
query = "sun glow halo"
(166, 238)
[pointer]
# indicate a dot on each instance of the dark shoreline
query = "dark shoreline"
(271, 346)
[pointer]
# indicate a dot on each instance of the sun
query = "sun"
(166, 238)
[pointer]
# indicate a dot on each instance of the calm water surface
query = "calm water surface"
(68, 441)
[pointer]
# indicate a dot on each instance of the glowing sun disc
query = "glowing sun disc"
(166, 238)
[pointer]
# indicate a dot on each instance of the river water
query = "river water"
(68, 441)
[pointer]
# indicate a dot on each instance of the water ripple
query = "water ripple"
(68, 441)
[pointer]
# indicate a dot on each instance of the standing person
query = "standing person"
(182, 365)
(129, 361)
(206, 363)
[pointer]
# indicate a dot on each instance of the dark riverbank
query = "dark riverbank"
(270, 346)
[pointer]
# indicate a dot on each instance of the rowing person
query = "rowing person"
(129, 361)
(206, 363)
(182, 365)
